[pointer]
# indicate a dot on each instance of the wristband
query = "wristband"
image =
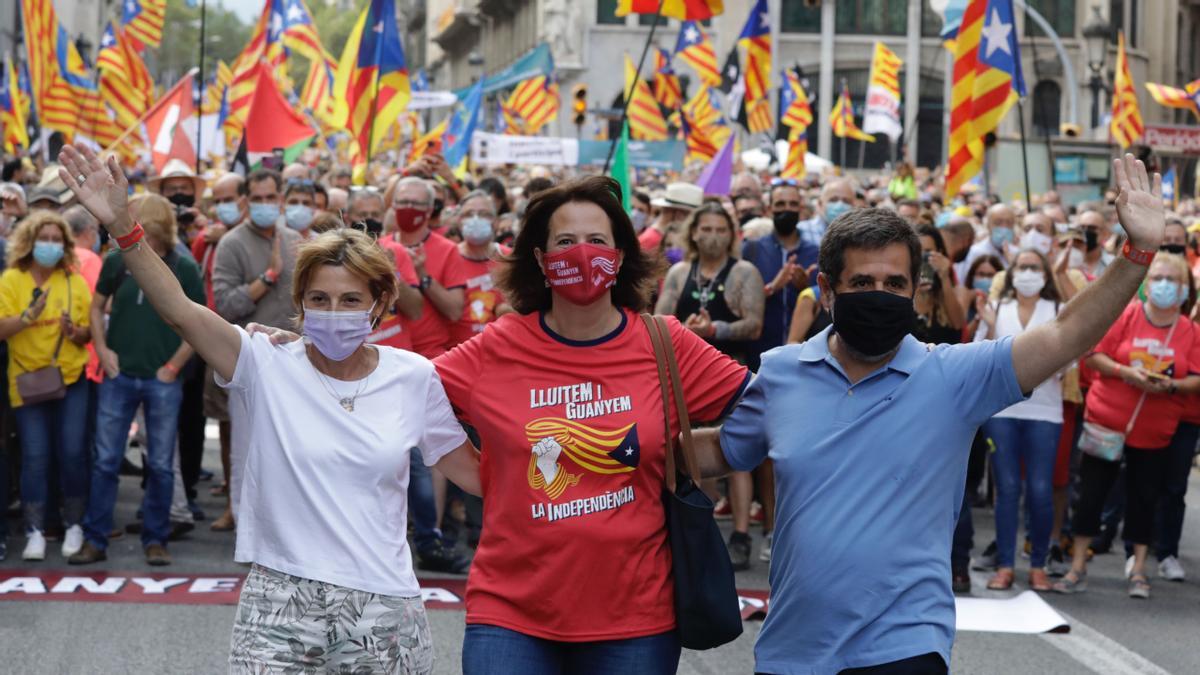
(1138, 255)
(169, 366)
(269, 277)
(130, 240)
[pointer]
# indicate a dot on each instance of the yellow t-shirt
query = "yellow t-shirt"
(33, 346)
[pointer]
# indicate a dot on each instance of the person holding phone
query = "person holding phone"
(1147, 364)
(940, 315)
(44, 318)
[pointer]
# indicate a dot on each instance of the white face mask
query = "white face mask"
(1036, 241)
(1028, 282)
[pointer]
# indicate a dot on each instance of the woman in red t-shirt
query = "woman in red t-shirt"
(1148, 360)
(484, 302)
(573, 570)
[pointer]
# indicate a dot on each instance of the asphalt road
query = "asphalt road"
(1110, 632)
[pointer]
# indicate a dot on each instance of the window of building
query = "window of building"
(1060, 14)
(872, 17)
(1116, 20)
(648, 20)
(931, 21)
(798, 17)
(606, 13)
(1047, 104)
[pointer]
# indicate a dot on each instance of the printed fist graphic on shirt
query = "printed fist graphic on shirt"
(547, 451)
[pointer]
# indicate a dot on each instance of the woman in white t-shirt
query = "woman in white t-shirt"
(324, 494)
(1025, 434)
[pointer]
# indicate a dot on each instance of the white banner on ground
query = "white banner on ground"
(1026, 613)
(420, 100)
(504, 149)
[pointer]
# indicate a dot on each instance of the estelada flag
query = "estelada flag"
(684, 10)
(166, 125)
(272, 123)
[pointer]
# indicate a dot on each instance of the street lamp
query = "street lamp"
(1096, 34)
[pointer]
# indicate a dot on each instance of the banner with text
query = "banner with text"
(504, 149)
(663, 155)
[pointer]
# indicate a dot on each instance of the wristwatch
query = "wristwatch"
(426, 282)
(267, 279)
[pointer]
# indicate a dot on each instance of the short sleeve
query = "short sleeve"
(107, 282)
(712, 382)
(1110, 344)
(9, 305)
(649, 239)
(404, 267)
(458, 370)
(981, 376)
(442, 432)
(454, 270)
(743, 433)
(254, 351)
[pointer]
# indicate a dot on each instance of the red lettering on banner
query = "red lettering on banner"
(1173, 137)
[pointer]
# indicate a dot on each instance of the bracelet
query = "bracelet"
(169, 366)
(25, 319)
(128, 241)
(1137, 255)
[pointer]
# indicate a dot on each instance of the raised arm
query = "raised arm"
(104, 192)
(1043, 351)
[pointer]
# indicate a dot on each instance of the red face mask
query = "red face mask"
(409, 219)
(581, 273)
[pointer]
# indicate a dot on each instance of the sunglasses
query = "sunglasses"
(371, 228)
(776, 182)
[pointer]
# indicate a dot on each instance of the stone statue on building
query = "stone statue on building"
(562, 30)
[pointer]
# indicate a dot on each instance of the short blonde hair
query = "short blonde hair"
(157, 217)
(349, 248)
(20, 242)
(1175, 260)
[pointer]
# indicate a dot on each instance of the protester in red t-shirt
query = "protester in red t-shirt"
(441, 275)
(566, 400)
(364, 212)
(480, 253)
(1147, 363)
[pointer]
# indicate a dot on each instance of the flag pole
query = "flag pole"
(200, 108)
(612, 146)
(1024, 157)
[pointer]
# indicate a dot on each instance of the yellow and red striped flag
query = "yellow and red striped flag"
(684, 10)
(842, 119)
(696, 50)
(143, 21)
(1170, 97)
(667, 91)
(215, 91)
(317, 93)
(882, 113)
(699, 145)
(1126, 126)
(758, 115)
(987, 82)
(799, 112)
(56, 105)
(646, 122)
(429, 142)
(535, 102)
(701, 110)
(125, 84)
(756, 39)
(793, 166)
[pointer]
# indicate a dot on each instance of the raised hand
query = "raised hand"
(1139, 203)
(984, 310)
(100, 186)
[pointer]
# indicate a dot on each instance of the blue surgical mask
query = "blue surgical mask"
(264, 215)
(1165, 294)
(298, 216)
(1001, 236)
(983, 284)
(638, 218)
(47, 253)
(228, 213)
(477, 230)
(835, 209)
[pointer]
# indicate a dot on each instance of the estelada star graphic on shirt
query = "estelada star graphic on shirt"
(597, 451)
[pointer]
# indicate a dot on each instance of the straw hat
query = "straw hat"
(176, 168)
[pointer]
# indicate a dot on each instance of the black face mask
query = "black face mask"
(785, 222)
(1177, 249)
(872, 322)
(438, 205)
(747, 217)
(1091, 239)
(182, 199)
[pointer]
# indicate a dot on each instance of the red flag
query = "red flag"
(167, 126)
(272, 123)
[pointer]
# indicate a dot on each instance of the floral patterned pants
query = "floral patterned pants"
(288, 624)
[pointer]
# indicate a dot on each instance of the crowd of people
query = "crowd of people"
(812, 321)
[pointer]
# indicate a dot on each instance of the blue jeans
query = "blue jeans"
(54, 429)
(1034, 444)
(119, 401)
(421, 504)
(491, 649)
(1171, 505)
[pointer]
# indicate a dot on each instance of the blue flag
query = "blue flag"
(1169, 180)
(457, 138)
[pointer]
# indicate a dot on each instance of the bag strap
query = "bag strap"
(664, 353)
(1137, 410)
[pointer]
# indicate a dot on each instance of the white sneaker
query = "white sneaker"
(765, 554)
(35, 546)
(72, 541)
(1129, 567)
(1171, 570)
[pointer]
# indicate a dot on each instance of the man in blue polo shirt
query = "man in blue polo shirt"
(870, 432)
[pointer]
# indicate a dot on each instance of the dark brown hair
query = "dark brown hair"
(521, 278)
(869, 229)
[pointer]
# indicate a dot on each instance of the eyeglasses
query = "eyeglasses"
(776, 182)
(300, 182)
